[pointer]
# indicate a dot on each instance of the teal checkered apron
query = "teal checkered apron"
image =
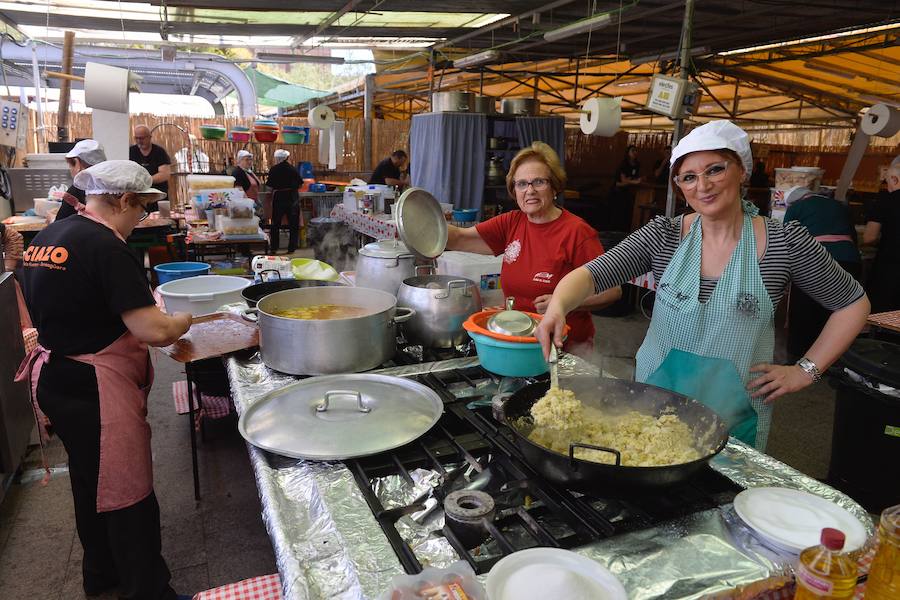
(705, 349)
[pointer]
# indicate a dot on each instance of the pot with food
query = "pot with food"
(595, 432)
(324, 330)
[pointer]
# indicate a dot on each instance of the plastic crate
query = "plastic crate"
(322, 202)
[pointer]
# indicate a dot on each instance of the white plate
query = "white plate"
(793, 520)
(533, 571)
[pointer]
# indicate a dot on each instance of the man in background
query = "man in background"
(152, 157)
(883, 230)
(390, 171)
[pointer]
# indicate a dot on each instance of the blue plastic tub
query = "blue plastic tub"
(465, 215)
(180, 270)
(511, 359)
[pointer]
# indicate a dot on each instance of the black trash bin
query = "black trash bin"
(333, 242)
(865, 448)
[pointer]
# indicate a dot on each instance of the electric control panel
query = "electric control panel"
(13, 124)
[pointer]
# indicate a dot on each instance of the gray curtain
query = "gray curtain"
(550, 130)
(447, 157)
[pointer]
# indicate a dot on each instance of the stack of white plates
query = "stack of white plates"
(544, 573)
(792, 520)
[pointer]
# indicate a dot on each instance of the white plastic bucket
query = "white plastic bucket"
(203, 294)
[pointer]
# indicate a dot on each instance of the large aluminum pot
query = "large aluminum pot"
(452, 102)
(486, 105)
(441, 303)
(530, 107)
(321, 347)
(383, 265)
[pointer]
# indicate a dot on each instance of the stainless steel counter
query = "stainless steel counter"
(328, 544)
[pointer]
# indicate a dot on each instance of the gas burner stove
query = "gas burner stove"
(492, 501)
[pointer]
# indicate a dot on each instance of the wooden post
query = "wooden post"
(62, 119)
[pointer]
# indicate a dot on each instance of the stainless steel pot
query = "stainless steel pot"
(384, 265)
(496, 173)
(486, 105)
(520, 106)
(441, 303)
(452, 102)
(319, 347)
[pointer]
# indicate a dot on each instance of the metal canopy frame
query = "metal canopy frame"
(205, 75)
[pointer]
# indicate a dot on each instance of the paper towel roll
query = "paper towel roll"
(881, 120)
(601, 116)
(321, 117)
(106, 87)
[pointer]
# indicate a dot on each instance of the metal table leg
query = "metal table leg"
(192, 389)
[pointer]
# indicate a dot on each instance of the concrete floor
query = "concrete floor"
(223, 539)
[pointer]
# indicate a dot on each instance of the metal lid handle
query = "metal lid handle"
(510, 301)
(323, 405)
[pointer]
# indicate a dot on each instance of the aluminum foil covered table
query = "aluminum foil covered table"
(329, 546)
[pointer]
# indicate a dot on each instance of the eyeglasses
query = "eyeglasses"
(144, 213)
(141, 137)
(538, 183)
(688, 181)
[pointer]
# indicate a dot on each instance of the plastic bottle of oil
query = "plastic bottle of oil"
(825, 572)
(884, 574)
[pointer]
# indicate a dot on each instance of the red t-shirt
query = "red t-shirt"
(537, 255)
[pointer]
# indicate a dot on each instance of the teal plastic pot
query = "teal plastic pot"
(510, 359)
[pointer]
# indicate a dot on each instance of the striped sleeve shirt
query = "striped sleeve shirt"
(791, 256)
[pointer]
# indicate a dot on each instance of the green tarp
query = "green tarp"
(271, 91)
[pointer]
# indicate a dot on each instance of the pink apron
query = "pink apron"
(124, 377)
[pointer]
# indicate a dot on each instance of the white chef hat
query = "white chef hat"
(242, 153)
(90, 151)
(281, 155)
(117, 177)
(716, 135)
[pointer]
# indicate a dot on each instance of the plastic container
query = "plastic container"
(483, 270)
(510, 359)
(230, 226)
(241, 208)
(265, 136)
(212, 132)
(218, 196)
(465, 215)
(167, 272)
(824, 572)
(866, 424)
(42, 206)
(239, 136)
(209, 182)
(884, 574)
(203, 294)
(306, 170)
(808, 177)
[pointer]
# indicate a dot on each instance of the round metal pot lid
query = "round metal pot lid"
(421, 223)
(365, 414)
(385, 249)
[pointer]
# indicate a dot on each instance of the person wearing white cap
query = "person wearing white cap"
(91, 375)
(721, 273)
(243, 174)
(285, 182)
(84, 154)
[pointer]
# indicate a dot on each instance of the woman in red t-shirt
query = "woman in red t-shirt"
(540, 243)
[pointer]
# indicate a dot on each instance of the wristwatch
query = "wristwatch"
(810, 368)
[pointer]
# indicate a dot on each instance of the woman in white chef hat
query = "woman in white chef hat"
(91, 374)
(721, 273)
(84, 154)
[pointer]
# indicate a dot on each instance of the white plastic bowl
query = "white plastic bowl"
(203, 294)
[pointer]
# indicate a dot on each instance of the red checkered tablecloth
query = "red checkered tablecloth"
(265, 587)
(375, 226)
(887, 320)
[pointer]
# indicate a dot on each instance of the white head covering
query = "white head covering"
(242, 153)
(795, 193)
(90, 151)
(281, 155)
(716, 135)
(117, 177)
